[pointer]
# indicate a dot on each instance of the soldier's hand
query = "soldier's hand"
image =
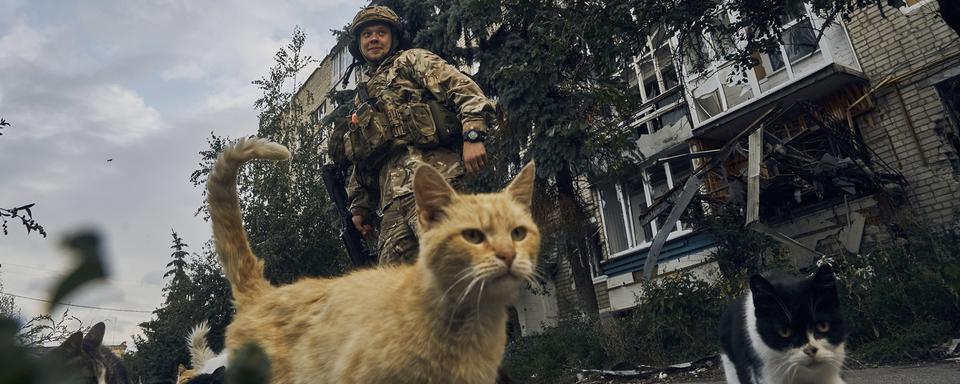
(474, 156)
(364, 229)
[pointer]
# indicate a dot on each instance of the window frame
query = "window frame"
(623, 198)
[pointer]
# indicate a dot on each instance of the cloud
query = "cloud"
(143, 83)
(21, 43)
(117, 114)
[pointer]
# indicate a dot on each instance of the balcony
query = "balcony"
(802, 69)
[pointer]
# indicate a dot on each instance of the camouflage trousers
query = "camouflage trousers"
(398, 242)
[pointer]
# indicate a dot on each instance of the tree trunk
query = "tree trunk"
(574, 220)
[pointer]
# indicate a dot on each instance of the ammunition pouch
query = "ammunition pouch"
(422, 125)
(418, 120)
(370, 138)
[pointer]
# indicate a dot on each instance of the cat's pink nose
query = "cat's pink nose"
(507, 256)
(810, 350)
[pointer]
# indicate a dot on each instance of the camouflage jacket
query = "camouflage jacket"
(394, 131)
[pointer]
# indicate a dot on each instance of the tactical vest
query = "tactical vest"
(392, 115)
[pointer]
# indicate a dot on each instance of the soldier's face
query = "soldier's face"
(375, 42)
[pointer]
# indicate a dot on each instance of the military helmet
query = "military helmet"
(371, 14)
(375, 13)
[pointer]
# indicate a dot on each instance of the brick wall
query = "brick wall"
(906, 127)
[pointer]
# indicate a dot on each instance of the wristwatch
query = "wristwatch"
(474, 136)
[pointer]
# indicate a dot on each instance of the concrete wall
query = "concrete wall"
(537, 310)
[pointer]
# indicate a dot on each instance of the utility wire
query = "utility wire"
(77, 305)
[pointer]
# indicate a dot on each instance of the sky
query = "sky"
(141, 82)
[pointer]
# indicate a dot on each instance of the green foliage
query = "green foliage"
(740, 252)
(902, 300)
(48, 330)
(550, 357)
(289, 217)
(675, 321)
(197, 291)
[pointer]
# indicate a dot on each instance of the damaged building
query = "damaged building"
(823, 145)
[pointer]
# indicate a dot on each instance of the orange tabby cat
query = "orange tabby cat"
(441, 320)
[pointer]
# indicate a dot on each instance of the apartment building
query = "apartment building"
(848, 134)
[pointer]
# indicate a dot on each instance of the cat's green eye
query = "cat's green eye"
(518, 233)
(823, 327)
(473, 236)
(785, 332)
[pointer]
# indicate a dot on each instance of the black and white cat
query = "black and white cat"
(784, 330)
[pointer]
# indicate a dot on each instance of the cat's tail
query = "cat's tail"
(200, 351)
(242, 268)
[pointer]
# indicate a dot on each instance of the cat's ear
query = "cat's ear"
(91, 342)
(765, 299)
(432, 194)
(825, 286)
(521, 188)
(824, 277)
(72, 346)
(761, 288)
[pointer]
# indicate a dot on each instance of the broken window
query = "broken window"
(655, 67)
(949, 91)
(624, 204)
(664, 113)
(611, 209)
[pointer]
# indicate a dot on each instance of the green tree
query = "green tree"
(195, 291)
(289, 217)
(179, 283)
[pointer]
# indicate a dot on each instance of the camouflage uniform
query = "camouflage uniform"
(408, 120)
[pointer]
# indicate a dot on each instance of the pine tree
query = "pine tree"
(163, 344)
(177, 290)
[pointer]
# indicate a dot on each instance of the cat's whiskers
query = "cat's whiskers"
(479, 294)
(453, 309)
(793, 374)
(465, 274)
(481, 273)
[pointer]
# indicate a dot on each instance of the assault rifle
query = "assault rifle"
(360, 254)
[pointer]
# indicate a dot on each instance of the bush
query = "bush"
(554, 354)
(901, 301)
(676, 321)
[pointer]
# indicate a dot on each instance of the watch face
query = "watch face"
(473, 135)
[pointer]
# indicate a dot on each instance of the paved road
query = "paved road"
(941, 373)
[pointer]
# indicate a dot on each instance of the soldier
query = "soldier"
(413, 108)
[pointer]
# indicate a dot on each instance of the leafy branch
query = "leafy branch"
(44, 329)
(25, 219)
(7, 214)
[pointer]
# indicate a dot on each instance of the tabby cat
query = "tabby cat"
(441, 320)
